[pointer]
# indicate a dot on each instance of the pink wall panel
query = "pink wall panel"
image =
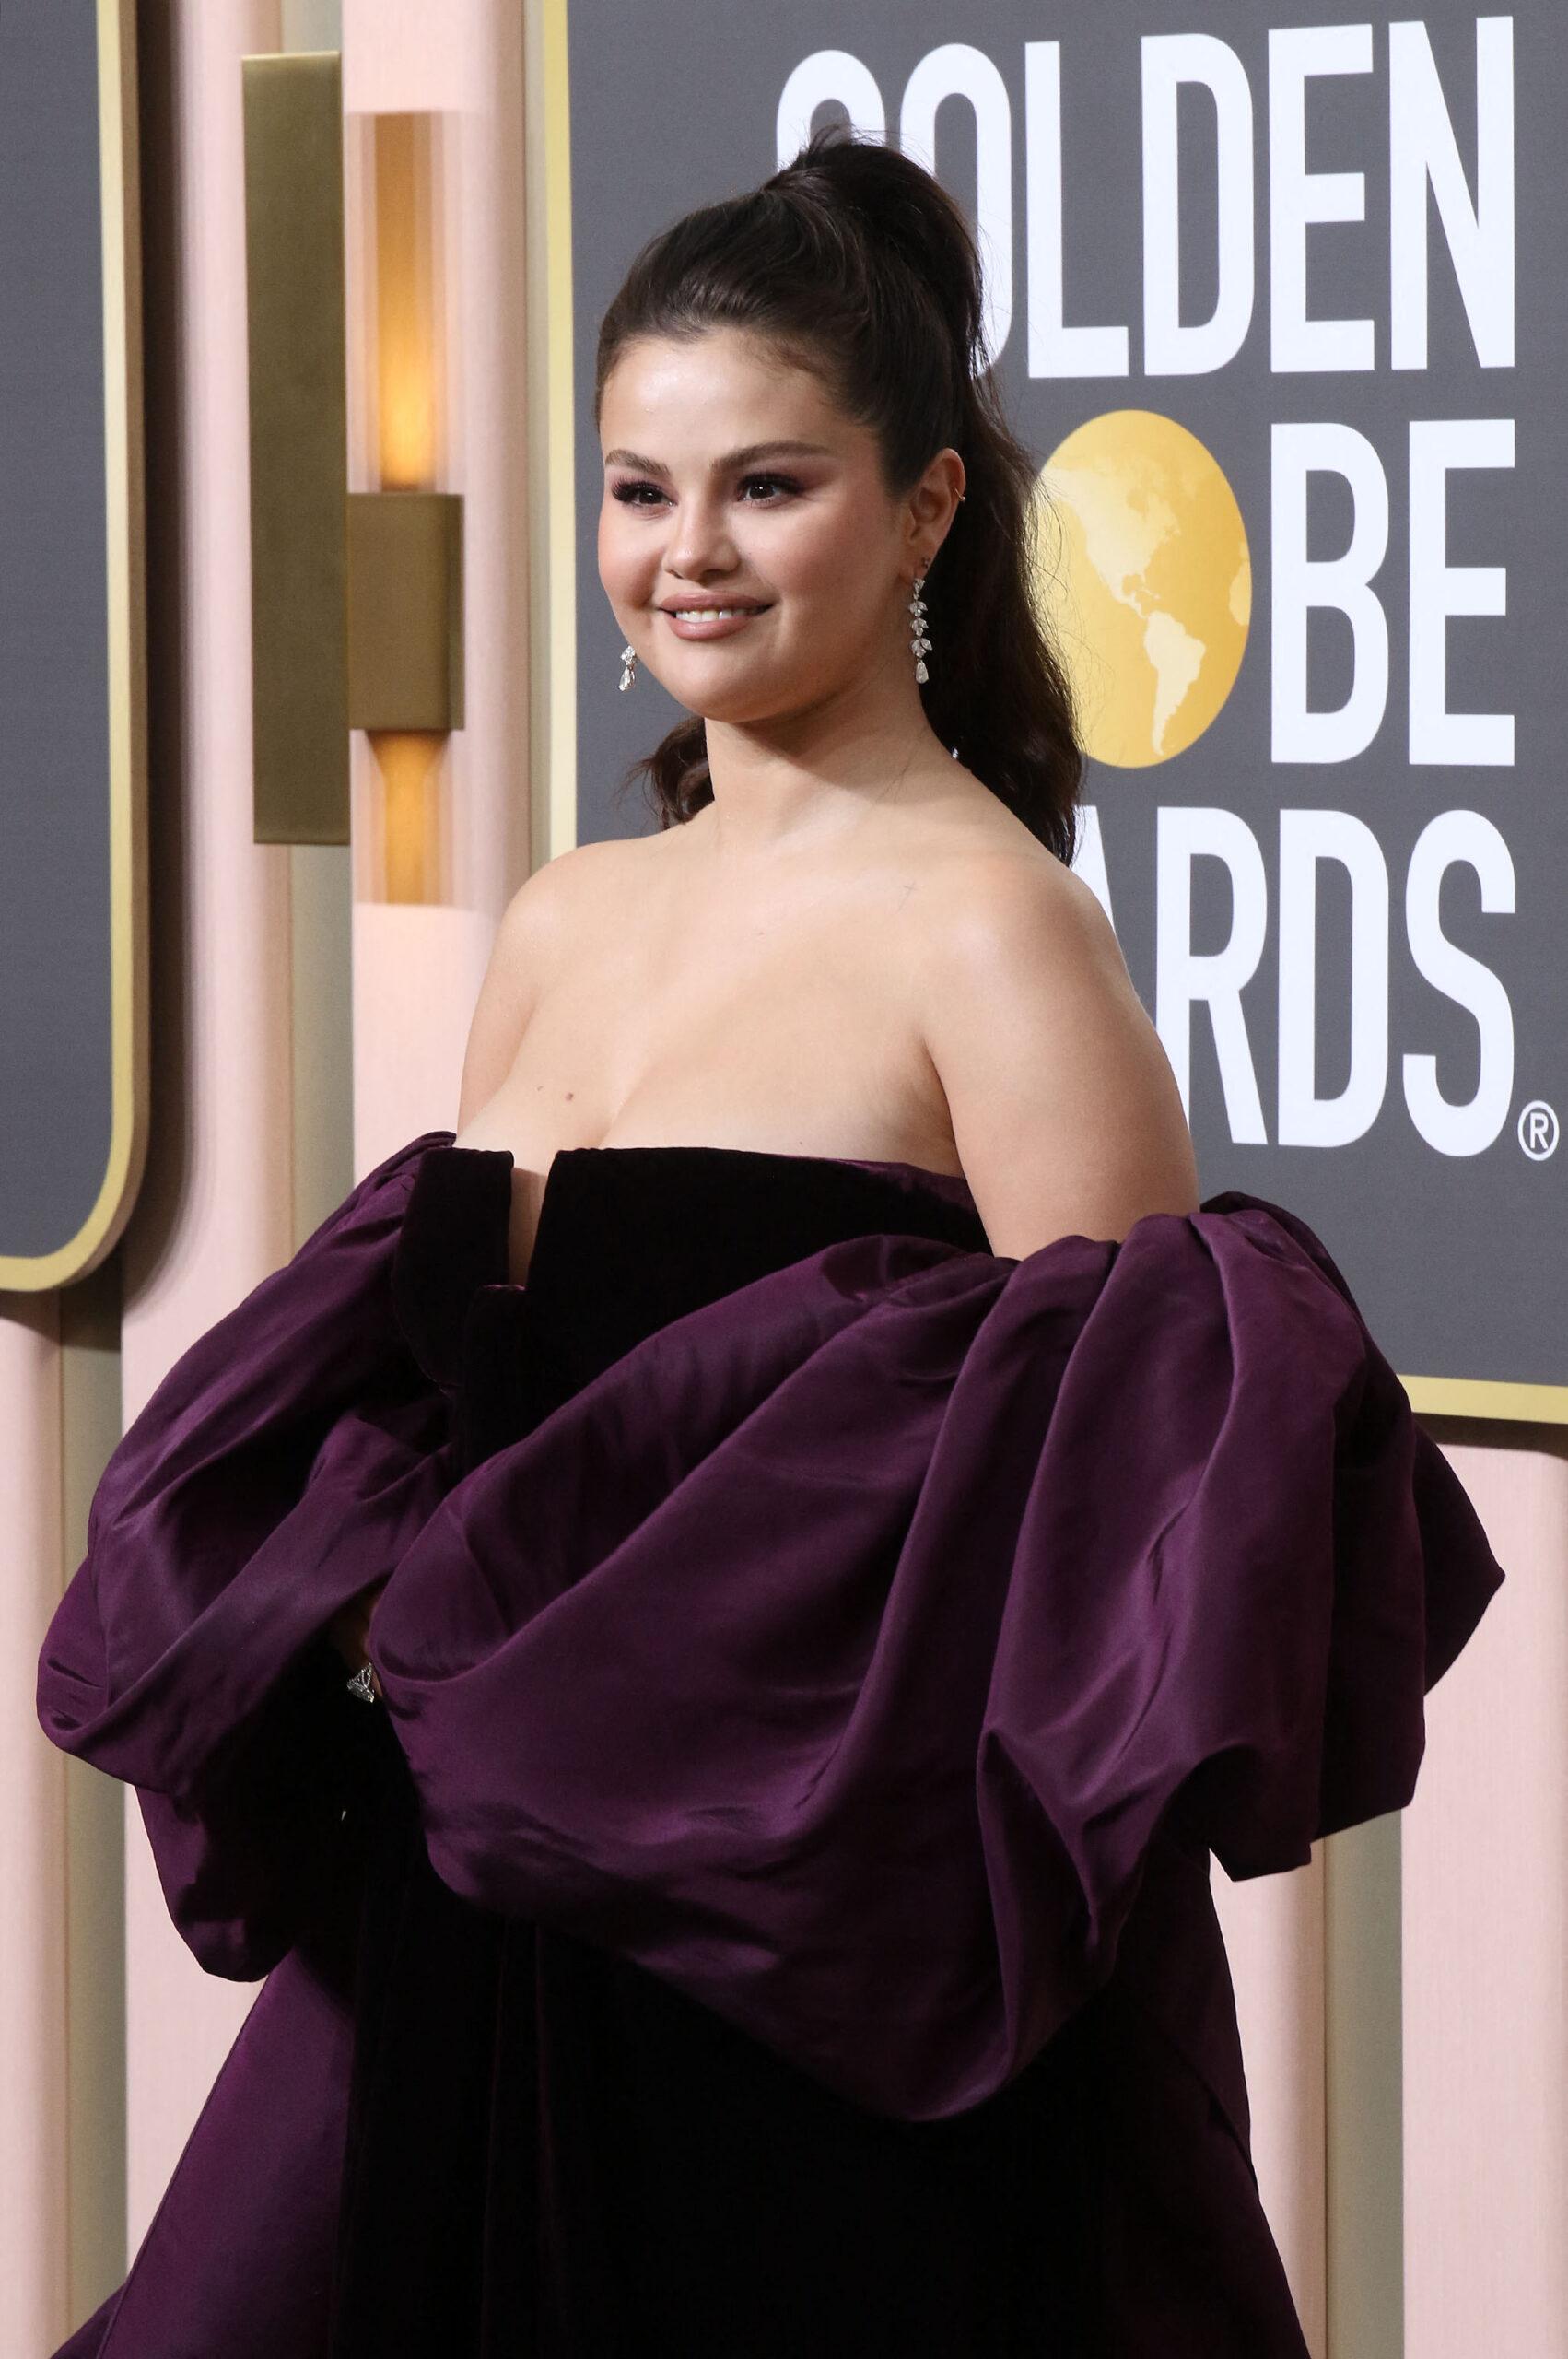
(215, 1214)
(33, 2212)
(1486, 1949)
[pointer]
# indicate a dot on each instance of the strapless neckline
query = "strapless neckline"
(720, 1216)
(949, 1186)
(951, 1183)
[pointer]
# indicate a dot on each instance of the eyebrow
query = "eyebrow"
(746, 458)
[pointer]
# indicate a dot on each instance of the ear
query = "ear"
(934, 503)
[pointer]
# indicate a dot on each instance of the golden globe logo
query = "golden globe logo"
(1149, 590)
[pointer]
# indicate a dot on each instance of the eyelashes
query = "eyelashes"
(626, 492)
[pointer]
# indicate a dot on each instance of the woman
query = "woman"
(832, 1534)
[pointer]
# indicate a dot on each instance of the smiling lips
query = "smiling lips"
(716, 622)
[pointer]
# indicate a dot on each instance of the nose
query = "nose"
(700, 540)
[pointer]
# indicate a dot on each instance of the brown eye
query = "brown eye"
(628, 494)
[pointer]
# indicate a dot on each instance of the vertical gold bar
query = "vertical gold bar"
(552, 434)
(293, 110)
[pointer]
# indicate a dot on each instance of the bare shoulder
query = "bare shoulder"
(1065, 1110)
(983, 876)
(1001, 909)
(561, 893)
(563, 907)
(548, 919)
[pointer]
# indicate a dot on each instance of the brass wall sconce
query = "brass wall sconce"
(356, 597)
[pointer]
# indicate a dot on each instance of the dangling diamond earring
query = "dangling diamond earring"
(628, 661)
(919, 646)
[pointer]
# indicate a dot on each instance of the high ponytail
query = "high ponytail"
(855, 263)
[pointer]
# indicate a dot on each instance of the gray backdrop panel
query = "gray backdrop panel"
(56, 1072)
(1458, 1262)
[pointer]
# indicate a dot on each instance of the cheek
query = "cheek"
(829, 561)
(622, 560)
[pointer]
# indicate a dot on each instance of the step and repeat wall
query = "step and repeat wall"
(1275, 297)
(1280, 309)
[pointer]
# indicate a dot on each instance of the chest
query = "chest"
(807, 1039)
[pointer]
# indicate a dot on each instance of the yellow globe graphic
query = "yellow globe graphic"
(1146, 582)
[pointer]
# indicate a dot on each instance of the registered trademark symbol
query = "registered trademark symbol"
(1538, 1130)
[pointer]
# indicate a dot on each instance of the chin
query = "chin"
(744, 712)
(741, 702)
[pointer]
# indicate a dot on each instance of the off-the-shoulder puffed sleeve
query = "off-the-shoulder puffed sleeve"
(282, 1465)
(840, 1653)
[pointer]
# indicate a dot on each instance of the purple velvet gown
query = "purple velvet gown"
(770, 1912)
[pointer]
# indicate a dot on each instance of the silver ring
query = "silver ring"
(361, 1684)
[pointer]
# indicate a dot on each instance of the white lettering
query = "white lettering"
(1456, 837)
(957, 70)
(1307, 838)
(1439, 590)
(1055, 350)
(1422, 148)
(1089, 858)
(1298, 197)
(1184, 977)
(1169, 349)
(828, 76)
(1343, 583)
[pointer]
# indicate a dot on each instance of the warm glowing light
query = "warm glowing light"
(407, 339)
(408, 411)
(409, 762)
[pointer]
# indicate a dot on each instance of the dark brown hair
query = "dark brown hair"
(855, 263)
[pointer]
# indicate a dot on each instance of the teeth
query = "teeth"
(701, 614)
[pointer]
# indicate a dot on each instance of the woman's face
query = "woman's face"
(692, 506)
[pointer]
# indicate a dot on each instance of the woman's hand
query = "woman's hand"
(349, 1629)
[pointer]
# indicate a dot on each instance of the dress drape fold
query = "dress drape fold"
(866, 1637)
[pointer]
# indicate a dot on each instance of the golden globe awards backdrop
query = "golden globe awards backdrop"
(73, 948)
(1279, 302)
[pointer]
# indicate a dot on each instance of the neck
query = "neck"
(800, 782)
